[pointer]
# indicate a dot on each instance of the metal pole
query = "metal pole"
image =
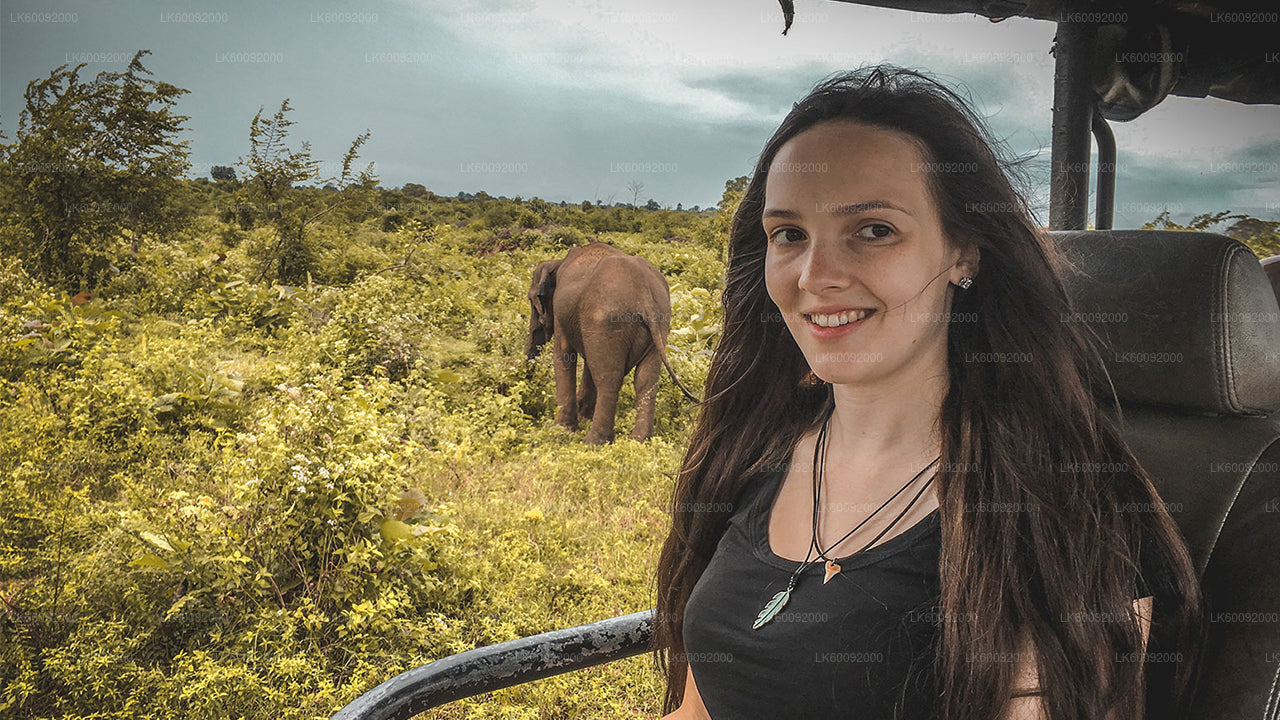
(493, 667)
(1106, 198)
(1073, 101)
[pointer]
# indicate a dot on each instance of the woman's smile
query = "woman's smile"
(829, 326)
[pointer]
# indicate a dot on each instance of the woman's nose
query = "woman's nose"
(824, 266)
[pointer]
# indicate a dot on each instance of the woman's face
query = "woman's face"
(852, 228)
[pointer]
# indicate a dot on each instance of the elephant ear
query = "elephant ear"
(545, 280)
(548, 285)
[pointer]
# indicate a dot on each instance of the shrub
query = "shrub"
(222, 497)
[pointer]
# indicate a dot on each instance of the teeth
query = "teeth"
(837, 319)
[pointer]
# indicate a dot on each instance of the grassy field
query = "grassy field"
(227, 497)
(222, 497)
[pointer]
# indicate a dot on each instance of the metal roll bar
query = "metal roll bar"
(494, 667)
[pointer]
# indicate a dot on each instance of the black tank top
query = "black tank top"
(861, 646)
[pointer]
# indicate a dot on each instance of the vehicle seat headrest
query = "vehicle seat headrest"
(1189, 319)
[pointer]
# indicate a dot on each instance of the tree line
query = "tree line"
(97, 168)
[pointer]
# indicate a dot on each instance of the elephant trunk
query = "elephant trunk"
(537, 337)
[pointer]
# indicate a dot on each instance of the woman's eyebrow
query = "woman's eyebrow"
(837, 208)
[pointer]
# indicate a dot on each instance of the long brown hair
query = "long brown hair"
(1036, 435)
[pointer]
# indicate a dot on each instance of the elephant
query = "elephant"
(614, 310)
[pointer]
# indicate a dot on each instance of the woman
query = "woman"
(920, 498)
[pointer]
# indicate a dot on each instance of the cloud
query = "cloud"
(575, 87)
(770, 92)
(1244, 180)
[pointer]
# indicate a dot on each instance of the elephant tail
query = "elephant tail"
(660, 344)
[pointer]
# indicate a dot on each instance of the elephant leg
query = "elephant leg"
(566, 384)
(608, 370)
(587, 393)
(646, 381)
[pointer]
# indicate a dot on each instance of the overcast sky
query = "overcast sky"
(574, 99)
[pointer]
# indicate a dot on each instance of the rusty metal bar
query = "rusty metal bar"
(1105, 200)
(494, 667)
(1073, 101)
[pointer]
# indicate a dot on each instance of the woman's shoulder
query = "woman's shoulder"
(753, 486)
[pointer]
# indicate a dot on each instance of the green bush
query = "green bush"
(223, 497)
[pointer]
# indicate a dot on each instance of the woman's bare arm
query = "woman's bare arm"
(1032, 707)
(691, 708)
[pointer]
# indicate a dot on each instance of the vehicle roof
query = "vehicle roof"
(1221, 48)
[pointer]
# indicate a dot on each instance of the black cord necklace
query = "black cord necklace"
(776, 603)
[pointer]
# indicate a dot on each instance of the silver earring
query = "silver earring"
(965, 282)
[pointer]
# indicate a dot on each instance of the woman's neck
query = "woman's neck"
(887, 425)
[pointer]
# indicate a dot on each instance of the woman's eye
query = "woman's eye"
(876, 231)
(780, 235)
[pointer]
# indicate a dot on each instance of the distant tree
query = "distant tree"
(526, 218)
(635, 186)
(679, 207)
(695, 208)
(393, 221)
(91, 163)
(733, 192)
(222, 172)
(586, 204)
(1261, 236)
(652, 205)
(723, 219)
(500, 215)
(414, 190)
(272, 170)
(1198, 223)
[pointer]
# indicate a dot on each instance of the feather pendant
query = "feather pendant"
(771, 608)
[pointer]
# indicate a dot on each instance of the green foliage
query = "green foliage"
(223, 496)
(289, 447)
(722, 222)
(273, 170)
(94, 166)
(1262, 236)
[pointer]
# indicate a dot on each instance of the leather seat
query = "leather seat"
(1192, 326)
